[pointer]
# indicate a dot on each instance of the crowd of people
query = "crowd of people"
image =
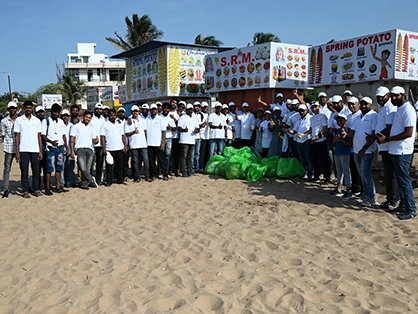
(332, 137)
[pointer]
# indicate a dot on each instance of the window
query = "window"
(90, 75)
(114, 75)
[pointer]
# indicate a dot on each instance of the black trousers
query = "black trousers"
(186, 158)
(98, 152)
(115, 170)
(356, 186)
(127, 170)
(204, 153)
(320, 159)
(155, 154)
(247, 143)
(175, 165)
(237, 143)
(391, 183)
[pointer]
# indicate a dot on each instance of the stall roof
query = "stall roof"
(154, 44)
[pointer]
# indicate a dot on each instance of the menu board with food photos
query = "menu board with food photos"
(406, 57)
(268, 65)
(382, 56)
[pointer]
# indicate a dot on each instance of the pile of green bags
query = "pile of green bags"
(246, 163)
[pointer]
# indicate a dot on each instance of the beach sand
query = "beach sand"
(204, 245)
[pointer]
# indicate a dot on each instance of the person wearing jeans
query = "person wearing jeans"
(171, 129)
(198, 115)
(218, 131)
(364, 147)
(204, 136)
(9, 144)
(401, 147)
(97, 122)
(188, 129)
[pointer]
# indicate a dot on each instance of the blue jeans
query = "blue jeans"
(216, 145)
(364, 166)
(167, 152)
(304, 152)
(401, 164)
(85, 160)
(8, 160)
(69, 168)
(140, 155)
(196, 155)
(63, 173)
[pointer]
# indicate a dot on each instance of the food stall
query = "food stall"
(243, 74)
(110, 97)
(93, 96)
(362, 64)
(157, 71)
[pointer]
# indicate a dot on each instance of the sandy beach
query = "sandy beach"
(204, 245)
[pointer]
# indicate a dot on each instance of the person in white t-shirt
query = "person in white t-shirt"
(246, 119)
(171, 129)
(200, 118)
(230, 125)
(28, 148)
(234, 137)
(204, 136)
(401, 148)
(289, 122)
(384, 124)
(97, 122)
(66, 175)
(136, 131)
(266, 128)
(112, 135)
(258, 145)
(188, 129)
(175, 108)
(156, 133)
(83, 137)
(364, 147)
(54, 134)
(218, 131)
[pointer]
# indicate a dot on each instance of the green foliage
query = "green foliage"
(139, 31)
(71, 90)
(261, 38)
(310, 95)
(207, 41)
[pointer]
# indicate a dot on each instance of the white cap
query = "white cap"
(189, 106)
(267, 112)
(11, 104)
(322, 94)
(397, 90)
(288, 101)
(196, 103)
(336, 98)
(153, 106)
(134, 107)
(122, 109)
(159, 103)
(218, 104)
(245, 104)
(65, 111)
(352, 100)
(225, 106)
(39, 108)
(303, 107)
(106, 107)
(340, 115)
(295, 102)
(348, 92)
(367, 100)
(182, 102)
(314, 104)
(382, 91)
(279, 95)
(231, 103)
(205, 104)
(98, 105)
(276, 108)
(145, 106)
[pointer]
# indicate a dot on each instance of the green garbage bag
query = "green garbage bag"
(271, 164)
(256, 155)
(236, 167)
(213, 164)
(255, 172)
(289, 168)
(229, 151)
(248, 154)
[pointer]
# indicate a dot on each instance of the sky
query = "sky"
(38, 34)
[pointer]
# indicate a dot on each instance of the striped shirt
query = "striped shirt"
(9, 141)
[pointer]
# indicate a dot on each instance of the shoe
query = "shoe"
(168, 176)
(394, 205)
(6, 194)
(160, 177)
(309, 180)
(73, 185)
(26, 195)
(61, 190)
(192, 174)
(357, 194)
(48, 193)
(150, 180)
(83, 187)
(372, 204)
(335, 193)
(396, 211)
(407, 216)
(37, 193)
(107, 184)
(165, 178)
(325, 183)
(316, 180)
(137, 180)
(178, 174)
(94, 183)
(384, 206)
(185, 175)
(347, 195)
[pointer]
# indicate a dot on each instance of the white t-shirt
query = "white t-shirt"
(190, 123)
(97, 123)
(258, 145)
(56, 130)
(204, 132)
(236, 123)
(137, 140)
(246, 121)
(67, 135)
(291, 121)
(332, 123)
(113, 133)
(405, 116)
(266, 135)
(230, 123)
(303, 126)
(174, 134)
(353, 119)
(385, 117)
(367, 125)
(28, 129)
(84, 135)
(317, 124)
(325, 110)
(155, 127)
(216, 120)
(169, 122)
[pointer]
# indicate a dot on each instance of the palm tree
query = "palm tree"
(207, 41)
(71, 90)
(260, 38)
(139, 31)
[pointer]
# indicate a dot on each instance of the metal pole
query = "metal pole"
(10, 86)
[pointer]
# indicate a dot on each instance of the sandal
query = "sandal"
(26, 195)
(38, 193)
